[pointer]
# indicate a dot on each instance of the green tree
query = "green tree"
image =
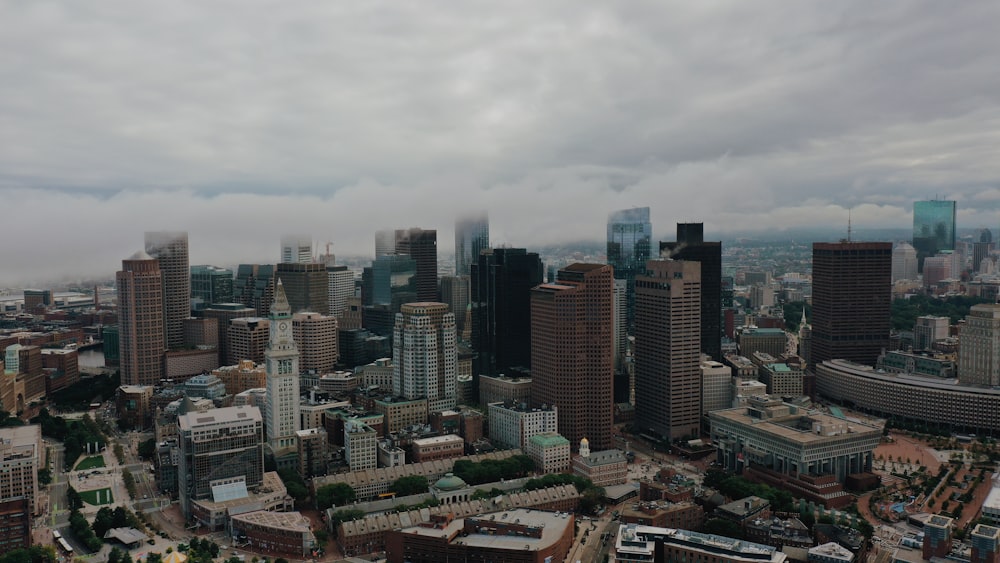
(336, 494)
(346, 515)
(44, 476)
(115, 556)
(147, 449)
(322, 537)
(154, 558)
(411, 485)
(73, 499)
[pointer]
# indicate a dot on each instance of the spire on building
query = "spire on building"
(280, 305)
(584, 447)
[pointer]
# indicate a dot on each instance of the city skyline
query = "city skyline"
(338, 121)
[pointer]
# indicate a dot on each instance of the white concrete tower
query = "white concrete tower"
(282, 360)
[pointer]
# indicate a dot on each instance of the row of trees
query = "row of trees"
(77, 397)
(33, 554)
(493, 470)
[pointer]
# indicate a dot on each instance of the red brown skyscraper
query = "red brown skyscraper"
(572, 351)
(140, 320)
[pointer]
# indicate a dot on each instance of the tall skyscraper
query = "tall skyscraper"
(254, 287)
(455, 292)
(282, 361)
(979, 350)
(140, 320)
(904, 262)
(691, 246)
(421, 245)
(425, 354)
(385, 242)
(316, 338)
(630, 237)
(211, 284)
(393, 280)
(307, 285)
(622, 390)
(572, 351)
(501, 284)
(852, 283)
(472, 236)
(667, 349)
(170, 249)
(296, 248)
(933, 228)
(340, 284)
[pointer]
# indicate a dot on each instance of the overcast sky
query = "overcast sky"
(239, 121)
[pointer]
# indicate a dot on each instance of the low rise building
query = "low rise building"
(400, 413)
(389, 455)
(782, 379)
(275, 532)
(603, 468)
(790, 441)
(831, 552)
(313, 448)
(511, 424)
(368, 535)
(550, 452)
(438, 447)
(635, 542)
(215, 512)
(685, 515)
(521, 535)
(359, 445)
(502, 389)
(373, 482)
(242, 376)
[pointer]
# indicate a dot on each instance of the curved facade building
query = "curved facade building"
(909, 397)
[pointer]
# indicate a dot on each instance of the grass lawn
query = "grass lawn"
(90, 462)
(90, 497)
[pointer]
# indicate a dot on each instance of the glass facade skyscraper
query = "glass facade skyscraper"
(933, 228)
(472, 236)
(629, 236)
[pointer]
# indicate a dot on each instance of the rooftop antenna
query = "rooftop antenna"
(848, 224)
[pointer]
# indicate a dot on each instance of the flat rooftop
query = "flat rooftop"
(552, 524)
(784, 427)
(214, 417)
(286, 521)
(447, 438)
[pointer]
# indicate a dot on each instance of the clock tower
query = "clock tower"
(282, 363)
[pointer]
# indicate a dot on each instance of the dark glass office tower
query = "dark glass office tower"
(691, 246)
(501, 285)
(933, 228)
(629, 245)
(851, 298)
(472, 236)
(421, 245)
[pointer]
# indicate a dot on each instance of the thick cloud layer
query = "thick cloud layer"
(239, 121)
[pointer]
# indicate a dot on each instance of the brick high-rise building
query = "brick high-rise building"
(667, 356)
(246, 339)
(852, 292)
(316, 337)
(421, 245)
(691, 246)
(170, 249)
(223, 314)
(572, 351)
(425, 354)
(140, 320)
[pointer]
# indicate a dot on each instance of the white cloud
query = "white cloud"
(241, 121)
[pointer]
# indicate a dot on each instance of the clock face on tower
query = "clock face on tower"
(283, 326)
